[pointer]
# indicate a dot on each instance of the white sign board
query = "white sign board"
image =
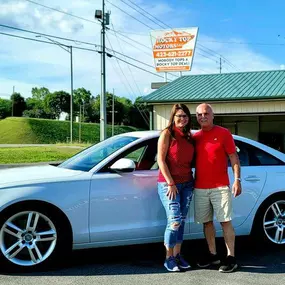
(173, 50)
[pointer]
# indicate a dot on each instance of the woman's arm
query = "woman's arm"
(162, 149)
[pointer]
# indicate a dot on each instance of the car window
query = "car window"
(91, 156)
(260, 157)
(143, 155)
(136, 154)
(242, 152)
(250, 155)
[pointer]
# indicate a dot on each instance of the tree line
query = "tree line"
(50, 105)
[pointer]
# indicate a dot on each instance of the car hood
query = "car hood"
(35, 174)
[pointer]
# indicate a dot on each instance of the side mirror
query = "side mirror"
(123, 165)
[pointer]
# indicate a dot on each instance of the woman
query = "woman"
(175, 182)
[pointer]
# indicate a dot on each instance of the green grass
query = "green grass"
(36, 154)
(40, 131)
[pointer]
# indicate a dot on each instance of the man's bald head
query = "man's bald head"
(204, 106)
(205, 116)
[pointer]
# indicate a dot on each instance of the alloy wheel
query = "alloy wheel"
(28, 238)
(274, 222)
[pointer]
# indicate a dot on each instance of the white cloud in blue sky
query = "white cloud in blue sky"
(25, 64)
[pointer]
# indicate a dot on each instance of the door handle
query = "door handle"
(252, 178)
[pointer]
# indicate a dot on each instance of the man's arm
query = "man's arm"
(236, 170)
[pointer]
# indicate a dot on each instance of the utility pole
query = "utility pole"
(79, 135)
(104, 18)
(220, 65)
(71, 94)
(69, 50)
(113, 112)
(13, 101)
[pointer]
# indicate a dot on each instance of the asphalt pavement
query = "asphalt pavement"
(142, 264)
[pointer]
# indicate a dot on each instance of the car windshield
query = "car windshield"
(93, 155)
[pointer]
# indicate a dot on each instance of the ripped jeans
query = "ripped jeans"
(176, 211)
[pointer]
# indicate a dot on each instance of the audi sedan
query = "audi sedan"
(106, 195)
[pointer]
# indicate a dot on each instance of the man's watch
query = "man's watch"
(239, 179)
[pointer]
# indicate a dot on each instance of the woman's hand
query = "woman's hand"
(171, 192)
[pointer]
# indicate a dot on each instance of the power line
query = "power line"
(200, 46)
(30, 39)
(129, 14)
(61, 11)
(143, 115)
(244, 43)
(86, 49)
(140, 12)
(47, 35)
(149, 14)
(67, 39)
(134, 80)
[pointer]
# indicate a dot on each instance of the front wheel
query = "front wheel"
(30, 238)
(270, 223)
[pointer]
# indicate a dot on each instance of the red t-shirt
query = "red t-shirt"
(212, 150)
(179, 158)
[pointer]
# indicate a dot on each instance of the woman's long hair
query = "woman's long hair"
(187, 128)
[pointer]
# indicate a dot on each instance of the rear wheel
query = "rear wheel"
(270, 222)
(31, 237)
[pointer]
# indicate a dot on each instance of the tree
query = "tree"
(5, 108)
(56, 103)
(119, 109)
(18, 104)
(36, 104)
(127, 106)
(140, 114)
(82, 97)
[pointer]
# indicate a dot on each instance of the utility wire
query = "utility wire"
(134, 80)
(141, 13)
(61, 11)
(198, 45)
(149, 14)
(129, 14)
(145, 119)
(72, 40)
(47, 35)
(86, 49)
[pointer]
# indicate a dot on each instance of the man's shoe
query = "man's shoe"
(171, 265)
(209, 259)
(181, 262)
(229, 265)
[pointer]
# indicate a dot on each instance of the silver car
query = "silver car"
(107, 196)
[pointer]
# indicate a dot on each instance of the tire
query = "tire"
(32, 238)
(269, 225)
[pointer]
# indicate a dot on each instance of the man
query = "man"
(214, 145)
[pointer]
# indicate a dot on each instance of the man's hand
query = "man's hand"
(236, 189)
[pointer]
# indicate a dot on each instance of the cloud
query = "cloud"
(27, 64)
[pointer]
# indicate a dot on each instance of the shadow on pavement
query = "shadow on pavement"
(148, 259)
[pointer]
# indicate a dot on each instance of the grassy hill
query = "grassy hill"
(40, 131)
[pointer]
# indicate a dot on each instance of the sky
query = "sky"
(247, 35)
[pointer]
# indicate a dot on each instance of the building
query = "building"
(250, 104)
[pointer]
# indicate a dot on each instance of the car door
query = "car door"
(126, 206)
(253, 175)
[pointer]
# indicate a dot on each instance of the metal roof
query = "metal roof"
(222, 87)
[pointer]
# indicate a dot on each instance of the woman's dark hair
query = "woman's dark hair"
(187, 128)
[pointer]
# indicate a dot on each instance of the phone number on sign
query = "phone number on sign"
(180, 53)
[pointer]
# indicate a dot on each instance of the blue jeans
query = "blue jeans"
(176, 211)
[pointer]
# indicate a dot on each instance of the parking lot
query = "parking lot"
(143, 265)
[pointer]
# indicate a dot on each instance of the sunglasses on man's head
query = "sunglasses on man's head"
(181, 116)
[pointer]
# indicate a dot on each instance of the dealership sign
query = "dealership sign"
(173, 50)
